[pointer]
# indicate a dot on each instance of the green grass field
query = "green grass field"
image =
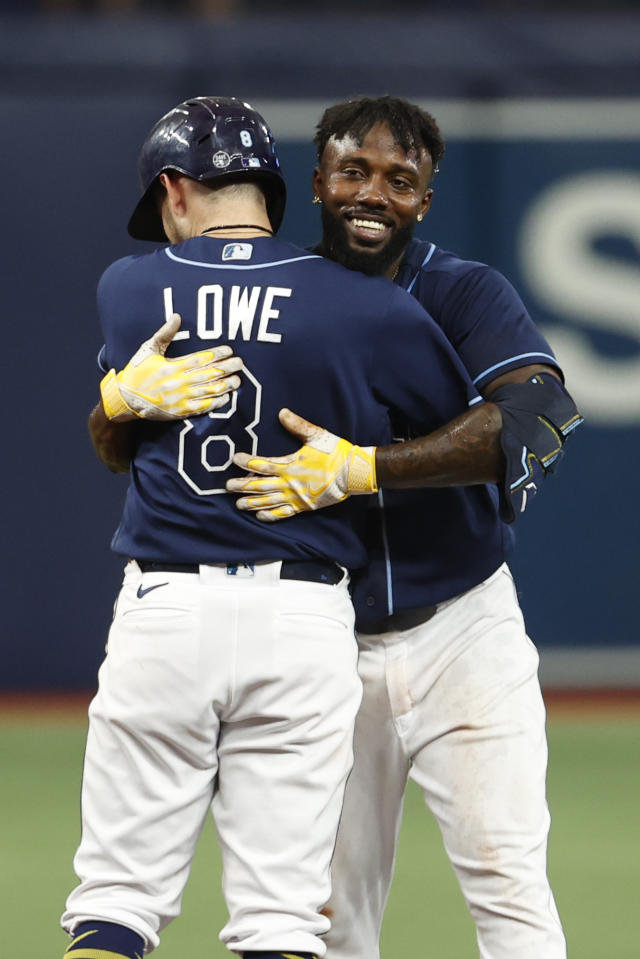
(594, 794)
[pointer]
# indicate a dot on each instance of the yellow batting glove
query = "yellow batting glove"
(324, 471)
(153, 387)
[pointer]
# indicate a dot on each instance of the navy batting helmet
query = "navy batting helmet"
(206, 138)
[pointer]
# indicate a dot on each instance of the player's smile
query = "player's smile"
(364, 227)
(372, 194)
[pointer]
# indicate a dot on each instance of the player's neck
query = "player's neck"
(230, 230)
(392, 270)
(233, 220)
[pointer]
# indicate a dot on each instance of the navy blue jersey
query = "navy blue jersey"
(337, 347)
(426, 546)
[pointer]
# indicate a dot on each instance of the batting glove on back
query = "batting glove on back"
(156, 388)
(324, 471)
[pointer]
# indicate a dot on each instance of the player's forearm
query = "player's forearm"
(465, 452)
(113, 442)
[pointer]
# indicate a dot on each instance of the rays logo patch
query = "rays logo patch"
(221, 160)
(237, 251)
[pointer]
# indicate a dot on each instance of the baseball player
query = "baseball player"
(451, 693)
(230, 679)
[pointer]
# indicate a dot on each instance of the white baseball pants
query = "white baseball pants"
(455, 704)
(230, 693)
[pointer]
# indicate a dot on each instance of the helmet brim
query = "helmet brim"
(146, 222)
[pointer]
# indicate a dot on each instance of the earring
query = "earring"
(419, 217)
(316, 199)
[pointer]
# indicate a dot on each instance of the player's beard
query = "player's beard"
(335, 246)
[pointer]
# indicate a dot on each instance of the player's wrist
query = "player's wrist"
(361, 476)
(114, 405)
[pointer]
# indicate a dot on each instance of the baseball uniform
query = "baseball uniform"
(451, 693)
(230, 679)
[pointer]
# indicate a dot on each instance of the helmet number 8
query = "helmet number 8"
(246, 139)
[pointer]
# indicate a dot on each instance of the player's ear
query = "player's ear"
(172, 186)
(426, 203)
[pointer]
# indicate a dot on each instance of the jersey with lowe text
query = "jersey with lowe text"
(427, 546)
(338, 348)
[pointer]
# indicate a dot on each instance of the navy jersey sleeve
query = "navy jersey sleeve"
(415, 368)
(126, 317)
(485, 320)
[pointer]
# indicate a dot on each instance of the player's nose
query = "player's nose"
(372, 193)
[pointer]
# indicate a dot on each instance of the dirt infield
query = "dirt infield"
(594, 703)
(72, 706)
(40, 707)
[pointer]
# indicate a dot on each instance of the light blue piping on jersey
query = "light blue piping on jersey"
(387, 553)
(424, 263)
(385, 538)
(432, 250)
(520, 356)
(478, 399)
(246, 266)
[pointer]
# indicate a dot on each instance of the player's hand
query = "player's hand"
(156, 388)
(324, 471)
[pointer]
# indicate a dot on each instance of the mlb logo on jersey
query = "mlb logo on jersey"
(237, 251)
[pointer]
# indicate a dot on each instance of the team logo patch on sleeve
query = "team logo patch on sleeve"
(237, 251)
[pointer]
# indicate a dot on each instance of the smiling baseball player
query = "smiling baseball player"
(230, 680)
(451, 692)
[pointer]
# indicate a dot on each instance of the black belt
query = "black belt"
(404, 619)
(307, 570)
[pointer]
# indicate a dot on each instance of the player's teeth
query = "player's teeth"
(369, 224)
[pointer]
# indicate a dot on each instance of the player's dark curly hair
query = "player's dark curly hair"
(412, 128)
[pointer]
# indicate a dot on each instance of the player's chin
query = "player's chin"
(373, 261)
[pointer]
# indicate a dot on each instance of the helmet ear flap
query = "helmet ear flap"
(206, 138)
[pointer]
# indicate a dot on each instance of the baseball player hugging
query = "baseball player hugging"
(230, 681)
